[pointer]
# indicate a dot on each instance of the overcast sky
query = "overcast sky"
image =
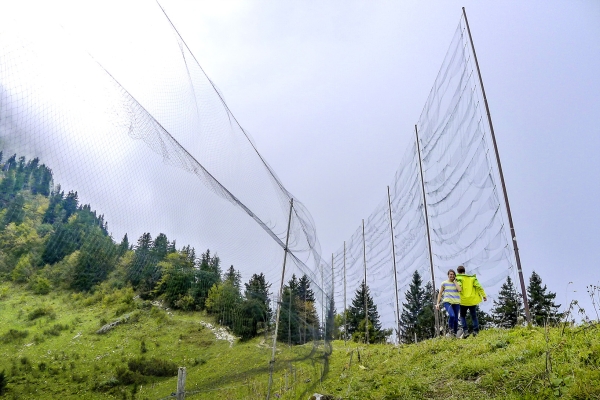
(330, 92)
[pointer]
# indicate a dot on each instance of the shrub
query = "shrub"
(40, 312)
(41, 286)
(56, 329)
(13, 335)
(128, 377)
(153, 367)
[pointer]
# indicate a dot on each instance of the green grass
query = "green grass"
(49, 348)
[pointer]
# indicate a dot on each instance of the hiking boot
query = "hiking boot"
(475, 334)
(465, 335)
(460, 334)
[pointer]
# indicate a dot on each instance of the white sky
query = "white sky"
(330, 92)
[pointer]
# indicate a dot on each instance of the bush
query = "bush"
(153, 367)
(41, 286)
(3, 383)
(128, 377)
(56, 329)
(40, 312)
(13, 335)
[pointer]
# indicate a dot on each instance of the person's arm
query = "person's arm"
(457, 284)
(479, 289)
(437, 306)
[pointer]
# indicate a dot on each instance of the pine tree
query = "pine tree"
(426, 320)
(124, 246)
(356, 317)
(541, 304)
(234, 277)
(417, 319)
(508, 308)
(257, 291)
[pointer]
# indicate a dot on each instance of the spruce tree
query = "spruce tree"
(417, 319)
(508, 308)
(541, 304)
(356, 316)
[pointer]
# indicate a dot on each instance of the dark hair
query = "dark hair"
(460, 269)
(451, 270)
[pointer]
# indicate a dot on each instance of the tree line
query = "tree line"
(49, 240)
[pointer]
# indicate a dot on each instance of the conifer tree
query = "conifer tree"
(417, 319)
(356, 316)
(541, 303)
(234, 277)
(124, 246)
(509, 307)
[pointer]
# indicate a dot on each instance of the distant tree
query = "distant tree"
(52, 213)
(303, 290)
(426, 320)
(356, 317)
(14, 212)
(224, 301)
(255, 311)
(233, 276)
(290, 323)
(509, 307)
(23, 270)
(124, 246)
(142, 269)
(160, 247)
(97, 258)
(207, 274)
(331, 330)
(70, 204)
(416, 318)
(541, 303)
(176, 281)
(7, 188)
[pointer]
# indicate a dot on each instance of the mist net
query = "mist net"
(466, 214)
(166, 170)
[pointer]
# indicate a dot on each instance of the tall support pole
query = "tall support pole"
(331, 304)
(285, 252)
(510, 221)
(323, 319)
(435, 313)
(365, 288)
(345, 310)
(394, 262)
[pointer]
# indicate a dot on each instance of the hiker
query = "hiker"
(470, 295)
(451, 290)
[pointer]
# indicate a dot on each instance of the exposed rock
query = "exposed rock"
(110, 326)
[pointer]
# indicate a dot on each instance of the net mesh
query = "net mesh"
(169, 170)
(155, 169)
(467, 224)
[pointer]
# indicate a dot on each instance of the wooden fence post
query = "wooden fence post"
(181, 383)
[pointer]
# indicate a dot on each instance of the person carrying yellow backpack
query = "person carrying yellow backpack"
(471, 294)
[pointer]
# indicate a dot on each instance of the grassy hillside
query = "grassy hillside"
(49, 348)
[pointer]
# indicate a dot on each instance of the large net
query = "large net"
(467, 221)
(164, 174)
(161, 188)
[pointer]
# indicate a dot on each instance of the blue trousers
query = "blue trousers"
(463, 317)
(452, 310)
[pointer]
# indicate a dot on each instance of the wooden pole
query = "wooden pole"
(181, 373)
(365, 288)
(285, 252)
(435, 313)
(345, 307)
(394, 262)
(510, 221)
(323, 319)
(331, 301)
